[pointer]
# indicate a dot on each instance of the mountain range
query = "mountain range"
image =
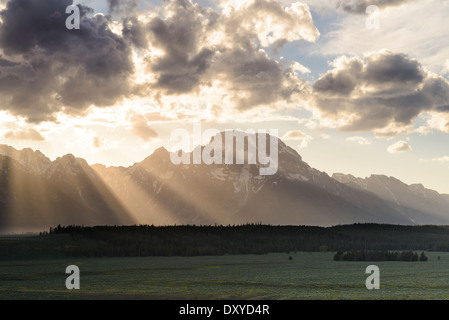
(36, 193)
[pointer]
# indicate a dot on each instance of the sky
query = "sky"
(350, 96)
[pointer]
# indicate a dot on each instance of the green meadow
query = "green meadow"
(270, 276)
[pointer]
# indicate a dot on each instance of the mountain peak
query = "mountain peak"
(160, 150)
(68, 156)
(35, 161)
(69, 163)
(410, 199)
(156, 191)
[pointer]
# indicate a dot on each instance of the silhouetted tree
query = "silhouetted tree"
(423, 257)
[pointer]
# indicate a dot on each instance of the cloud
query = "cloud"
(98, 142)
(399, 147)
(297, 67)
(47, 68)
(398, 32)
(298, 135)
(27, 134)
(122, 7)
(223, 51)
(439, 121)
(423, 130)
(141, 128)
(342, 80)
(350, 6)
(384, 92)
(6, 63)
(393, 130)
(145, 132)
(269, 21)
(179, 50)
(179, 36)
(359, 140)
(445, 69)
(135, 32)
(443, 159)
(359, 6)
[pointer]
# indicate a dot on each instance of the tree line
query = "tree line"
(189, 240)
(379, 255)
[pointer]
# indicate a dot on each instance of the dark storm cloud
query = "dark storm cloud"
(394, 68)
(341, 81)
(113, 4)
(386, 72)
(45, 68)
(180, 38)
(359, 6)
(263, 79)
(59, 67)
(135, 32)
(189, 61)
(385, 89)
(29, 24)
(7, 63)
(443, 108)
(123, 7)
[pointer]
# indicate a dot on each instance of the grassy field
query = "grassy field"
(272, 276)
